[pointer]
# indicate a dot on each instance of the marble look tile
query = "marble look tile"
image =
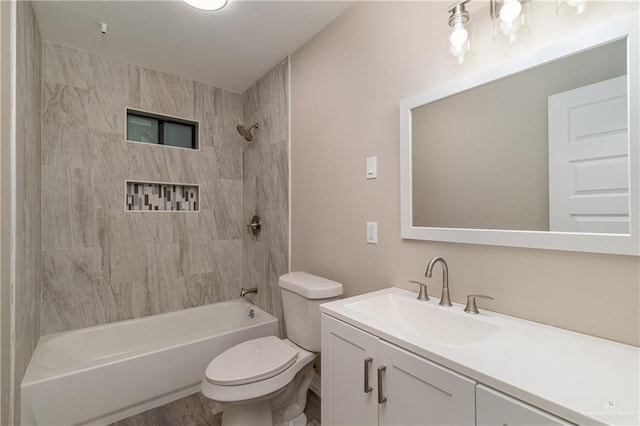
(200, 258)
(68, 220)
(134, 97)
(82, 214)
(105, 112)
(65, 65)
(144, 299)
(227, 256)
(166, 94)
(269, 89)
(165, 275)
(204, 112)
(229, 147)
(56, 218)
(71, 293)
(265, 189)
(27, 259)
(272, 88)
(146, 162)
(227, 209)
(228, 105)
(199, 289)
(110, 170)
(273, 125)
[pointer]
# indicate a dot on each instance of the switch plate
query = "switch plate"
(372, 232)
(372, 167)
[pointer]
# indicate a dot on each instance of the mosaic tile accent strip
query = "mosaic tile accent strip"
(143, 196)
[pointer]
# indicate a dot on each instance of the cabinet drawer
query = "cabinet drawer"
(496, 409)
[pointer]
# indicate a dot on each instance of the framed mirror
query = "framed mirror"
(542, 151)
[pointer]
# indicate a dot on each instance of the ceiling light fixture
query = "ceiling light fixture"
(459, 33)
(510, 19)
(210, 5)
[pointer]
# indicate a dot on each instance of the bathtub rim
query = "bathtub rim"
(43, 374)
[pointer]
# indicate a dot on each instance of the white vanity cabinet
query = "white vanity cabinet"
(367, 381)
(496, 409)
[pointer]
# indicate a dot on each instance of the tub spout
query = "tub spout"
(245, 291)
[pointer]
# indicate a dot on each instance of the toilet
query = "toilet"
(265, 381)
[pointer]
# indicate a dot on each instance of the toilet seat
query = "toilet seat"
(257, 389)
(251, 361)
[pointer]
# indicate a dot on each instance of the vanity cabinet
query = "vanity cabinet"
(367, 381)
(494, 408)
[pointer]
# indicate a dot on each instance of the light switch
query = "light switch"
(372, 232)
(372, 167)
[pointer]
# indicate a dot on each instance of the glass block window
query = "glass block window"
(161, 130)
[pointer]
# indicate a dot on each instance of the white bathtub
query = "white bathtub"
(102, 374)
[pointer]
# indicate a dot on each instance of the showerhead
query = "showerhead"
(246, 133)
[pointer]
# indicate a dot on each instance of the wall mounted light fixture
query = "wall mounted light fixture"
(459, 33)
(510, 19)
(570, 7)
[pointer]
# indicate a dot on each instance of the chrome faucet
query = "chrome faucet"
(245, 291)
(444, 300)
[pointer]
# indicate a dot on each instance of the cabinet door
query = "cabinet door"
(496, 409)
(345, 351)
(419, 392)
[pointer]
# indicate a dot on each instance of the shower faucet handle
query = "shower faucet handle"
(255, 225)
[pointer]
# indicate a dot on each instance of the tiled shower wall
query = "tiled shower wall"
(266, 186)
(27, 284)
(101, 263)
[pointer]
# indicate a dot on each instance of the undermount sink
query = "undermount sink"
(447, 325)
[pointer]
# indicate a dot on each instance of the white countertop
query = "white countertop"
(583, 379)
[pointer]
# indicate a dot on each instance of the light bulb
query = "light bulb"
(510, 10)
(459, 35)
(207, 4)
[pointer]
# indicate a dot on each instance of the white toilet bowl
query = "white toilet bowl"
(264, 381)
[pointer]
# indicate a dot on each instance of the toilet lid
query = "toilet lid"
(251, 361)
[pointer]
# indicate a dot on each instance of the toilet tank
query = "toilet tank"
(302, 295)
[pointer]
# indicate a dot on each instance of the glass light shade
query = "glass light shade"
(209, 5)
(570, 7)
(511, 19)
(458, 43)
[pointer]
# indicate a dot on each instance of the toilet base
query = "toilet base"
(251, 414)
(285, 407)
(256, 414)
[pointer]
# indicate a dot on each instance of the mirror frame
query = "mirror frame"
(625, 244)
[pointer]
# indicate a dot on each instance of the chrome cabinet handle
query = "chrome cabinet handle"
(367, 365)
(381, 399)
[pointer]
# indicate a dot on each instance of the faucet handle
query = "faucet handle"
(471, 307)
(423, 290)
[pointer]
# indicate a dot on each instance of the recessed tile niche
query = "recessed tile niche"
(150, 196)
